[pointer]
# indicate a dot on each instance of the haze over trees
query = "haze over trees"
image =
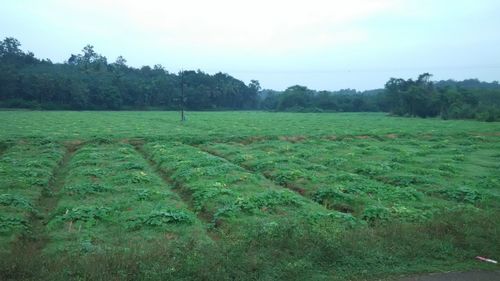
(87, 81)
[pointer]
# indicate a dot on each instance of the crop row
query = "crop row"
(25, 173)
(460, 171)
(319, 172)
(112, 198)
(232, 198)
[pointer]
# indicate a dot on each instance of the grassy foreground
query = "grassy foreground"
(244, 196)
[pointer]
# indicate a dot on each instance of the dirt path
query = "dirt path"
(3, 147)
(177, 187)
(288, 185)
(458, 276)
(36, 241)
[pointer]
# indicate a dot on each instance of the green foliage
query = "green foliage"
(285, 176)
(368, 197)
(86, 188)
(132, 166)
(375, 215)
(17, 201)
(462, 194)
(202, 195)
(144, 194)
(362, 253)
(9, 224)
(449, 100)
(404, 180)
(333, 198)
(269, 200)
(409, 214)
(88, 214)
(89, 81)
(123, 204)
(140, 177)
(159, 218)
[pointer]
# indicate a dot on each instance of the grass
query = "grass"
(244, 195)
(206, 126)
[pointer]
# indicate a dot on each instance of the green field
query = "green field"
(244, 196)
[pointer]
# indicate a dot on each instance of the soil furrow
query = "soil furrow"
(177, 188)
(291, 186)
(3, 147)
(34, 242)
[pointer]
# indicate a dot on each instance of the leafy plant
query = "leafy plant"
(376, 214)
(336, 161)
(144, 194)
(285, 176)
(17, 201)
(346, 220)
(9, 224)
(131, 166)
(86, 188)
(332, 198)
(88, 214)
(158, 218)
(135, 177)
(268, 200)
(462, 194)
(410, 214)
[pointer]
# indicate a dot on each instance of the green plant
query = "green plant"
(9, 224)
(462, 194)
(159, 218)
(86, 188)
(88, 214)
(333, 198)
(17, 201)
(375, 215)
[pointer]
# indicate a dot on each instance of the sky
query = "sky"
(321, 44)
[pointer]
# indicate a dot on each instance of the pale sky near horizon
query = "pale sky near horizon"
(325, 45)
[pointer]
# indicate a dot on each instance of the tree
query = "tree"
(297, 96)
(10, 47)
(121, 61)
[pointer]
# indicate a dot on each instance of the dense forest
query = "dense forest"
(87, 81)
(469, 99)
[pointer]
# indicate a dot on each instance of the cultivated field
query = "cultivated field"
(244, 196)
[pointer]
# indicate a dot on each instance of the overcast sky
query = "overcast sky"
(325, 45)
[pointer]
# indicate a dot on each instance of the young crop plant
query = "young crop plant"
(160, 218)
(125, 204)
(16, 201)
(333, 186)
(86, 188)
(231, 197)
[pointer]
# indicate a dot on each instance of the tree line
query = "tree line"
(87, 81)
(301, 99)
(468, 99)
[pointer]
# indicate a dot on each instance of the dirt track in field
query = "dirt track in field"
(47, 202)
